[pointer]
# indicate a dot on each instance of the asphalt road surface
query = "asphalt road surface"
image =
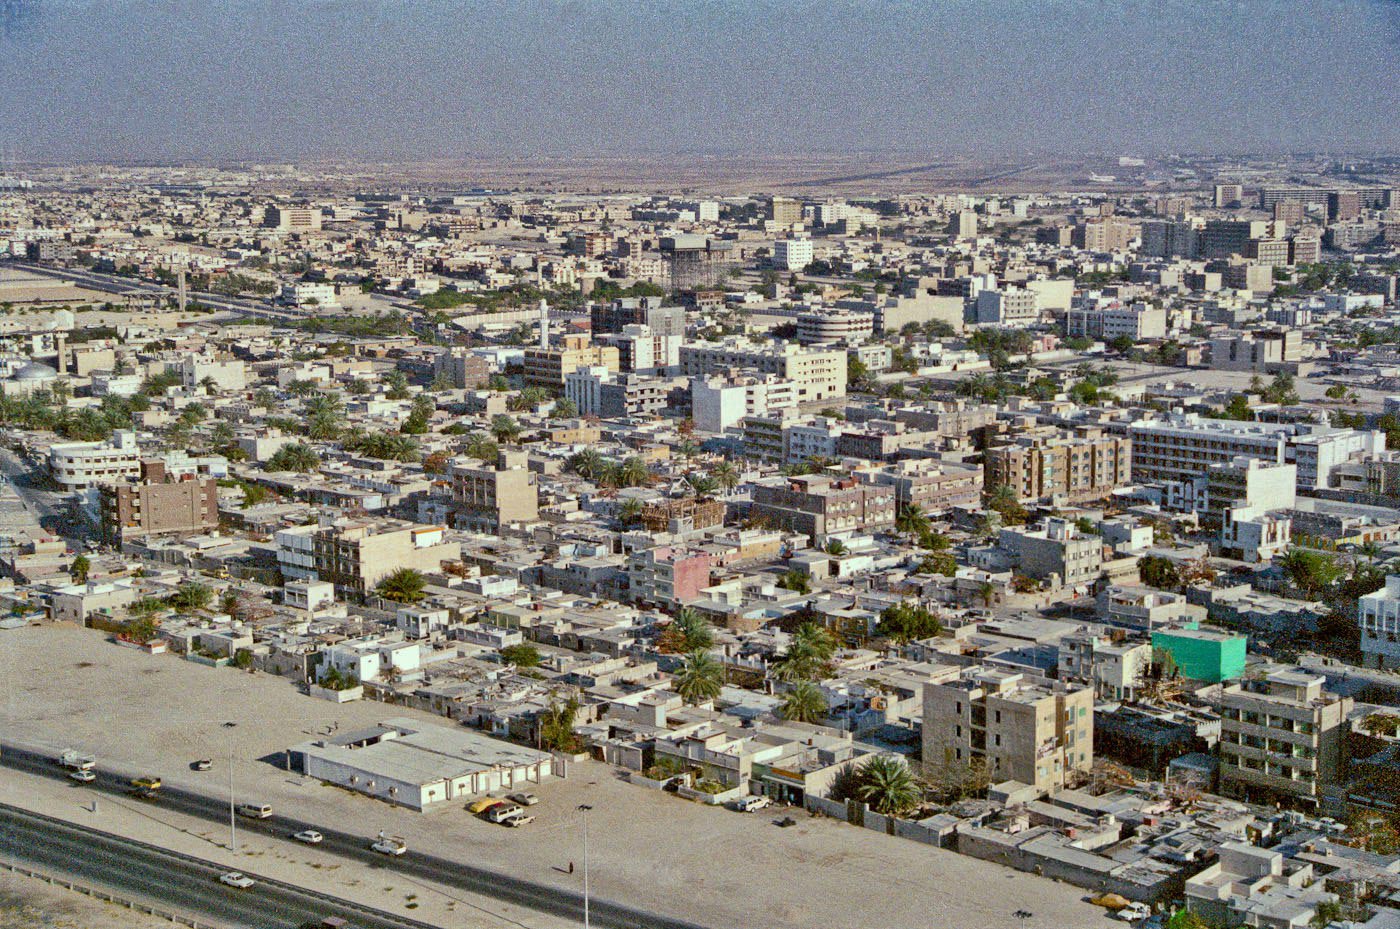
(173, 882)
(414, 863)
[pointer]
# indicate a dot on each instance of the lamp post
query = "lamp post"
(584, 808)
(232, 819)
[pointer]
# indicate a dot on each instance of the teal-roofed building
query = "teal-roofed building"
(1203, 654)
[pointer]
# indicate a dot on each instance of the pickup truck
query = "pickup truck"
(389, 844)
(77, 761)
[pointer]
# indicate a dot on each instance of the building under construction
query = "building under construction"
(696, 261)
(685, 514)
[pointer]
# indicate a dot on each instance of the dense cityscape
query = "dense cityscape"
(1044, 539)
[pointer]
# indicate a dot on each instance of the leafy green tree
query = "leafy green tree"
(1311, 572)
(804, 703)
(564, 409)
(557, 725)
(1159, 572)
(1003, 500)
(701, 484)
(701, 678)
(907, 622)
(629, 512)
(522, 656)
(796, 581)
(887, 784)
(79, 568)
(404, 585)
(939, 563)
(483, 447)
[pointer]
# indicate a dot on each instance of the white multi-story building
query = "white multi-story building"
(80, 465)
(309, 293)
(1184, 446)
(718, 403)
(1378, 614)
(834, 325)
(1007, 307)
(227, 374)
(792, 254)
(819, 373)
(1137, 322)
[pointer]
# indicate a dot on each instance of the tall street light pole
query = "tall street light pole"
(584, 808)
(232, 818)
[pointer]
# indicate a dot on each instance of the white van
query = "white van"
(254, 810)
(499, 814)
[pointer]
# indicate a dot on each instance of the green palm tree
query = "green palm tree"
(633, 472)
(911, 520)
(726, 476)
(699, 634)
(629, 511)
(402, 586)
(887, 784)
(504, 429)
(835, 547)
(808, 655)
(804, 704)
(294, 456)
(588, 463)
(701, 678)
(701, 483)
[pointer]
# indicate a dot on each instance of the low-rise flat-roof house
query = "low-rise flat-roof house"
(418, 764)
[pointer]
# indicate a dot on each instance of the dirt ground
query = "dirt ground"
(26, 903)
(61, 687)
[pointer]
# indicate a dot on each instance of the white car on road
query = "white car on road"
(309, 836)
(82, 776)
(237, 879)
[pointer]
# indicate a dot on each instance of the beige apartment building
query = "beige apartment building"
(1035, 731)
(488, 497)
(1282, 739)
(356, 555)
(548, 367)
(1087, 466)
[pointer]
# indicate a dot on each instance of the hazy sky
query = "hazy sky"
(122, 79)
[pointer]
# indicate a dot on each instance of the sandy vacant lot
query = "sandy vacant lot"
(26, 903)
(62, 686)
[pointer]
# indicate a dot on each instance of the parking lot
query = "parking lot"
(67, 687)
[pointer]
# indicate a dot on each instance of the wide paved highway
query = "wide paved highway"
(416, 863)
(171, 882)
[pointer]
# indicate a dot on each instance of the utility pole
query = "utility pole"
(584, 808)
(232, 817)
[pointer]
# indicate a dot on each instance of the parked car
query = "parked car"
(1133, 912)
(521, 820)
(146, 783)
(203, 764)
(237, 879)
(524, 799)
(83, 776)
(499, 814)
(484, 804)
(750, 804)
(309, 836)
(389, 844)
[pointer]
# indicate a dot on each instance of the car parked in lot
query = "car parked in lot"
(522, 819)
(237, 879)
(750, 804)
(203, 764)
(309, 836)
(484, 804)
(83, 776)
(524, 798)
(504, 811)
